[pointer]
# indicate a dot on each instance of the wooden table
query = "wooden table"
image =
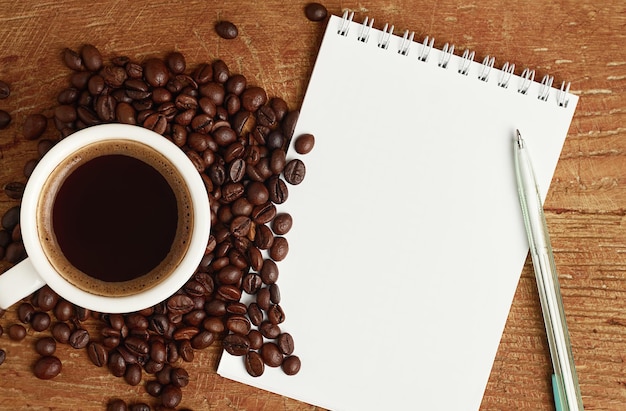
(578, 41)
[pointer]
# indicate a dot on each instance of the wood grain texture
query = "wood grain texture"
(578, 41)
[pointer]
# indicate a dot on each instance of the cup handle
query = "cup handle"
(19, 282)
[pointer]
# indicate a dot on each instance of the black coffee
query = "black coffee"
(115, 218)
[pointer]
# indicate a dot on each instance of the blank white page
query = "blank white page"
(408, 239)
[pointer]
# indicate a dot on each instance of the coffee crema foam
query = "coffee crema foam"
(48, 239)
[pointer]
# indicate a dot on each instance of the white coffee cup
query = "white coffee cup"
(37, 270)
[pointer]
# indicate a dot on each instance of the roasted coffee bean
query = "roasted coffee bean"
(158, 351)
(5, 90)
(117, 405)
(91, 57)
(315, 12)
(176, 62)
(202, 340)
(232, 191)
(266, 116)
(25, 312)
(72, 60)
(257, 193)
(82, 313)
(274, 293)
(269, 272)
(214, 325)
(224, 136)
(253, 98)
(17, 332)
(282, 223)
(236, 344)
(47, 367)
(155, 72)
(171, 396)
(3, 356)
(185, 333)
(278, 161)
(97, 354)
(221, 73)
(45, 346)
(114, 76)
(240, 227)
(161, 95)
(79, 338)
(125, 113)
(294, 171)
(254, 364)
(95, 85)
(288, 124)
(63, 310)
(154, 388)
(279, 249)
(61, 332)
(137, 346)
(44, 146)
(46, 298)
(256, 339)
(269, 330)
(153, 367)
(251, 283)
(34, 126)
(291, 365)
(40, 321)
(116, 364)
(133, 374)
(105, 107)
(179, 377)
(275, 314)
(255, 314)
(185, 350)
(229, 292)
(263, 298)
(15, 252)
(136, 321)
(180, 304)
(278, 191)
(304, 143)
(264, 239)
(65, 113)
(238, 324)
(5, 119)
(226, 30)
(14, 189)
(213, 97)
(263, 213)
(67, 97)
(237, 170)
(271, 355)
(285, 343)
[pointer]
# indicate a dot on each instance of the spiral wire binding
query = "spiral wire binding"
(383, 43)
(505, 76)
(406, 43)
(544, 89)
(467, 58)
(527, 78)
(426, 48)
(466, 61)
(366, 27)
(446, 55)
(487, 65)
(345, 23)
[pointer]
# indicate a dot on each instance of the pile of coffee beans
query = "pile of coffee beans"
(237, 137)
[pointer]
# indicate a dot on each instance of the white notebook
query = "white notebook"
(408, 239)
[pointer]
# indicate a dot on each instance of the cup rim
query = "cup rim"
(153, 295)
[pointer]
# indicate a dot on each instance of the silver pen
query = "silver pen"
(564, 380)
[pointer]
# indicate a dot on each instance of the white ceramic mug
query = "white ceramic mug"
(36, 270)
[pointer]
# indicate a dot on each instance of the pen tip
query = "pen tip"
(519, 140)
